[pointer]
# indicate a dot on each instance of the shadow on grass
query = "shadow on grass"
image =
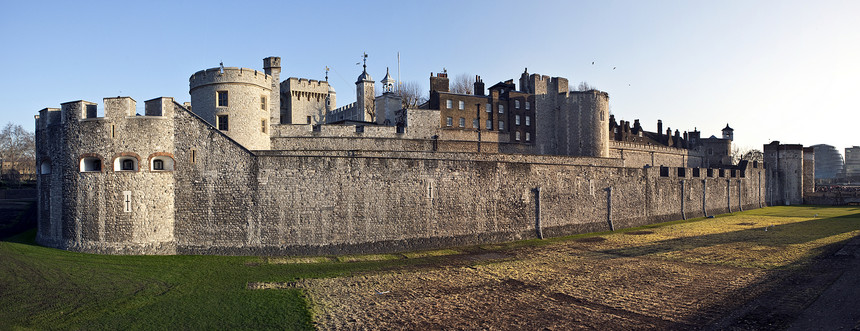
(777, 300)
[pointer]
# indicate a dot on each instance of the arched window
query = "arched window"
(45, 168)
(125, 163)
(161, 163)
(91, 164)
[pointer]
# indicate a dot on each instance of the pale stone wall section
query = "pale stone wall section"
(245, 87)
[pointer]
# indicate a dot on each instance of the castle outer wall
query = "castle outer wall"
(225, 199)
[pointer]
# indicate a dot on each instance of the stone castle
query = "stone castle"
(256, 165)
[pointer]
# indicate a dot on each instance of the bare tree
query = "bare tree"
(584, 86)
(17, 152)
(370, 110)
(743, 153)
(412, 95)
(464, 84)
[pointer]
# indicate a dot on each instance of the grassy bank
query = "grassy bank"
(43, 288)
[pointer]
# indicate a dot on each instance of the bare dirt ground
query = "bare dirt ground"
(730, 275)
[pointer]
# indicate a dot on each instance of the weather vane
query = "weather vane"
(326, 73)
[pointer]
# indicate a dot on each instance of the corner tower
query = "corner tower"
(364, 94)
(236, 101)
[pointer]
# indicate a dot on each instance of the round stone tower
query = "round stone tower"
(594, 119)
(235, 101)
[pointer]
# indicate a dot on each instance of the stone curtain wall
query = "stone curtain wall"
(385, 202)
(226, 199)
(216, 203)
(637, 155)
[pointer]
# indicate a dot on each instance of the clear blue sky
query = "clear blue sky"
(774, 70)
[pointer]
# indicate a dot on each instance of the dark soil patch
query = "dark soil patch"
(638, 233)
(591, 240)
(488, 256)
(745, 223)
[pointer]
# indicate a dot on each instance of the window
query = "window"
(489, 124)
(157, 165)
(528, 137)
(517, 136)
(501, 109)
(475, 123)
(309, 120)
(449, 104)
(462, 122)
(517, 119)
(449, 121)
(462, 105)
(489, 108)
(263, 126)
(45, 168)
(223, 123)
(222, 98)
(517, 104)
(193, 155)
(263, 102)
(162, 163)
(501, 126)
(125, 163)
(528, 120)
(528, 105)
(91, 164)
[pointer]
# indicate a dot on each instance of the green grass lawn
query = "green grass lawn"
(45, 288)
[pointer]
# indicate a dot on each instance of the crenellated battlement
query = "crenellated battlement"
(115, 109)
(306, 85)
(230, 75)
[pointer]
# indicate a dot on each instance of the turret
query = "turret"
(236, 101)
(387, 83)
(364, 96)
(272, 67)
(728, 133)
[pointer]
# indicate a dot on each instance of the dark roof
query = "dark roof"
(728, 128)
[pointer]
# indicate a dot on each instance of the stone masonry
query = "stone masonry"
(171, 182)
